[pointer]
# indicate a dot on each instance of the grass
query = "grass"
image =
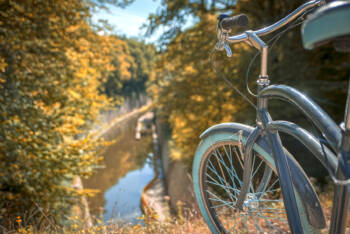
(180, 223)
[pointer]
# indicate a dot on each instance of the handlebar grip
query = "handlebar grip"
(227, 23)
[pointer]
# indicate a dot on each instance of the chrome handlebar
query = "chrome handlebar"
(269, 29)
(253, 39)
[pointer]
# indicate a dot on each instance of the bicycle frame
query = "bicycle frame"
(324, 123)
(331, 132)
(267, 133)
(267, 129)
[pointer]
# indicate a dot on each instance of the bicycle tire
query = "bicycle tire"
(208, 203)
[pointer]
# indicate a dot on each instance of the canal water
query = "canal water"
(128, 168)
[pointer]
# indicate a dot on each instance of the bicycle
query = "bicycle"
(243, 177)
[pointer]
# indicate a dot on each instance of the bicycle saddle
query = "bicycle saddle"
(329, 23)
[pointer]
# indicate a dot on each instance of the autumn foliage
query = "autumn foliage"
(53, 71)
(192, 97)
(57, 74)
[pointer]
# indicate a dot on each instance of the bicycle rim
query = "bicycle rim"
(213, 195)
(222, 171)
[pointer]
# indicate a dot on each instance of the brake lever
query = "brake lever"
(222, 45)
(228, 50)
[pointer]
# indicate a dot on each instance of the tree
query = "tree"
(187, 90)
(51, 66)
(135, 62)
(174, 14)
(192, 97)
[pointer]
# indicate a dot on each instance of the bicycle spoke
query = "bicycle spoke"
(227, 168)
(238, 157)
(256, 170)
(268, 191)
(273, 184)
(263, 210)
(224, 187)
(211, 167)
(232, 173)
(223, 204)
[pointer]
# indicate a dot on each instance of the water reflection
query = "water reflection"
(128, 168)
(115, 208)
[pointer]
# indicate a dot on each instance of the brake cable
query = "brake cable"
(222, 76)
(274, 39)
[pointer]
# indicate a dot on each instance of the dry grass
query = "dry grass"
(189, 223)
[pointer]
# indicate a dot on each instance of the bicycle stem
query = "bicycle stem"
(252, 38)
(263, 80)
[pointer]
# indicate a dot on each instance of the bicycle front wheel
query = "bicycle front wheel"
(217, 176)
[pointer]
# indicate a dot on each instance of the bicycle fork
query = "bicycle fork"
(284, 174)
(275, 144)
(283, 170)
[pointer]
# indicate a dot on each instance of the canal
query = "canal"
(128, 168)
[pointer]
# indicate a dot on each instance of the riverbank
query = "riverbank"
(154, 199)
(86, 208)
(177, 179)
(172, 192)
(170, 188)
(127, 169)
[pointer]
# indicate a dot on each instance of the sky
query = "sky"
(128, 21)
